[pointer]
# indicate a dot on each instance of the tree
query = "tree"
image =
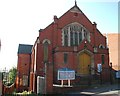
(12, 75)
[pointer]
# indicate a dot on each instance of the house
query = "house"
(113, 44)
(23, 67)
(70, 43)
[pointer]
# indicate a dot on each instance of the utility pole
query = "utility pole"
(45, 75)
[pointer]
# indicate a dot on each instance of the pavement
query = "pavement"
(99, 90)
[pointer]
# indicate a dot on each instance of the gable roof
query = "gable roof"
(74, 9)
(24, 49)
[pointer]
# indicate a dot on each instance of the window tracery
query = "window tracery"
(73, 34)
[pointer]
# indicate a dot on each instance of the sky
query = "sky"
(20, 21)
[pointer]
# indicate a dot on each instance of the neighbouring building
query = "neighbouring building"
(23, 67)
(114, 51)
(113, 44)
(70, 42)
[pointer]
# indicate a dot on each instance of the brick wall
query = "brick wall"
(113, 44)
(23, 69)
(8, 89)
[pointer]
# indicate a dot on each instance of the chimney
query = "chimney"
(95, 24)
(55, 19)
(40, 30)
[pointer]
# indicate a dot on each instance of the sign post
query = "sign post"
(61, 82)
(68, 82)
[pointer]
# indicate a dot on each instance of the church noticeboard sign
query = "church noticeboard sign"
(99, 66)
(66, 74)
(118, 74)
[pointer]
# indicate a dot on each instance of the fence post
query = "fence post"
(89, 80)
(2, 85)
(111, 79)
(100, 78)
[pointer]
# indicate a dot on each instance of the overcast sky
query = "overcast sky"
(20, 21)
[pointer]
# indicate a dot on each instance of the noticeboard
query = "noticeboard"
(66, 75)
(99, 66)
(118, 74)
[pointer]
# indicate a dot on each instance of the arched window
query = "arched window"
(45, 51)
(73, 34)
(45, 43)
(101, 46)
(103, 59)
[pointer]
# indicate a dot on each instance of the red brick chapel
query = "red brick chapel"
(70, 42)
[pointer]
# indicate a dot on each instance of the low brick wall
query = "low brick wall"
(63, 90)
(8, 89)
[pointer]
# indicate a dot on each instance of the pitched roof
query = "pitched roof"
(24, 49)
(75, 9)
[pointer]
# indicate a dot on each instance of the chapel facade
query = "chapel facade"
(71, 41)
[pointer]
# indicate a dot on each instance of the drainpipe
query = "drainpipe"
(53, 52)
(45, 76)
(94, 30)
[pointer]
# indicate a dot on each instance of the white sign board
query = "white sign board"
(99, 66)
(118, 74)
(66, 75)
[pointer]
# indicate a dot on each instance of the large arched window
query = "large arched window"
(73, 34)
(46, 42)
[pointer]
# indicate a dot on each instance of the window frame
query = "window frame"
(103, 59)
(72, 32)
(45, 51)
(65, 57)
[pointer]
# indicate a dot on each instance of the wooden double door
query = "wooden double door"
(84, 63)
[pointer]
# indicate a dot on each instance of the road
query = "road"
(101, 90)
